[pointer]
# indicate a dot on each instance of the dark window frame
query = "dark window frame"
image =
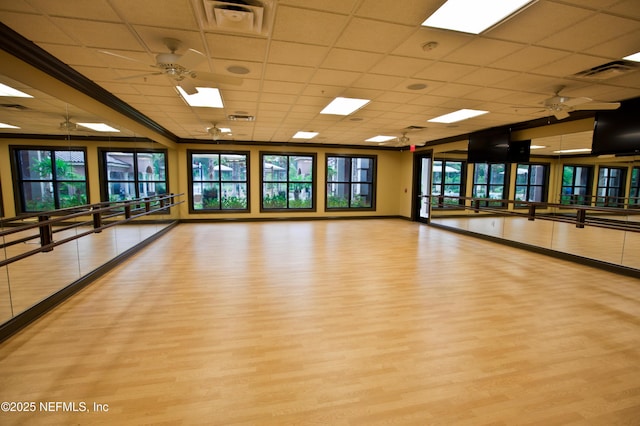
(373, 183)
(219, 181)
(544, 186)
(574, 200)
(19, 196)
(489, 184)
(288, 182)
(104, 177)
(634, 188)
(606, 200)
(438, 202)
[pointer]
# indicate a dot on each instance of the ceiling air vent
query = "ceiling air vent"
(607, 71)
(238, 16)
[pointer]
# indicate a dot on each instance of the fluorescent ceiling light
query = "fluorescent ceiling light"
(459, 115)
(305, 135)
(635, 57)
(8, 126)
(208, 97)
(472, 16)
(570, 151)
(537, 147)
(10, 91)
(380, 138)
(344, 106)
(98, 127)
(224, 129)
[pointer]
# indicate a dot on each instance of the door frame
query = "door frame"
(416, 197)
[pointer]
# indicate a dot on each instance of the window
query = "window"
(531, 183)
(634, 193)
(219, 181)
(489, 181)
(610, 191)
(447, 182)
(133, 174)
(288, 181)
(350, 182)
(50, 179)
(576, 185)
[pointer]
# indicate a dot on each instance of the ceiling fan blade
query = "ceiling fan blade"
(218, 78)
(191, 59)
(561, 115)
(598, 106)
(106, 52)
(188, 86)
(129, 77)
(571, 102)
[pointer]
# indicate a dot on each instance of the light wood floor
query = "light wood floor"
(370, 322)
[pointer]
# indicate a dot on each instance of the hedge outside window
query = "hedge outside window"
(531, 183)
(219, 181)
(350, 182)
(288, 181)
(576, 185)
(50, 179)
(447, 183)
(133, 174)
(634, 193)
(489, 181)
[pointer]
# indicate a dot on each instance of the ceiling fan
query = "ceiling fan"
(180, 67)
(403, 140)
(560, 106)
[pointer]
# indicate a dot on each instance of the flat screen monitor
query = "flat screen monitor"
(488, 146)
(618, 131)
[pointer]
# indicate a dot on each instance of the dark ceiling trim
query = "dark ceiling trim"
(27, 51)
(86, 138)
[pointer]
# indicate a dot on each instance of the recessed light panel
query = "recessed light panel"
(305, 135)
(344, 106)
(98, 127)
(10, 91)
(380, 138)
(456, 116)
(207, 97)
(472, 16)
(8, 126)
(635, 57)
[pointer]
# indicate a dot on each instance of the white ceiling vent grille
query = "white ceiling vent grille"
(238, 16)
(607, 71)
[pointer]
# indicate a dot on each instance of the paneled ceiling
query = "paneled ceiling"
(308, 52)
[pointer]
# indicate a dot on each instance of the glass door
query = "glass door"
(422, 186)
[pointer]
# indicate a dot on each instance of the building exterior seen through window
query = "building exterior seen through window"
(288, 181)
(531, 183)
(219, 181)
(50, 179)
(576, 185)
(447, 183)
(134, 174)
(611, 187)
(350, 182)
(490, 182)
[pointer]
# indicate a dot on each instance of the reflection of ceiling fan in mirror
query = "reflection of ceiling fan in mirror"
(181, 67)
(560, 106)
(403, 140)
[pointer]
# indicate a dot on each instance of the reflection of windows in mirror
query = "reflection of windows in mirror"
(447, 183)
(288, 181)
(490, 181)
(50, 179)
(531, 183)
(634, 191)
(219, 181)
(611, 187)
(132, 174)
(576, 185)
(350, 182)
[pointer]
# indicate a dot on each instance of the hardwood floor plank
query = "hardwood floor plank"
(334, 322)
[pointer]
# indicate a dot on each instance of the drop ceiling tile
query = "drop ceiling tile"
(288, 73)
(447, 42)
(104, 35)
(624, 8)
(486, 77)
(225, 46)
(286, 53)
(482, 52)
(409, 13)
(539, 21)
(377, 82)
(154, 39)
(282, 87)
(372, 36)
(35, 28)
(93, 10)
(338, 6)
(528, 58)
(18, 6)
(591, 32)
(400, 66)
(617, 48)
(568, 65)
(445, 71)
(307, 26)
(159, 13)
(351, 60)
(334, 77)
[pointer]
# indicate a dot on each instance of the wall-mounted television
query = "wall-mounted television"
(618, 131)
(495, 146)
